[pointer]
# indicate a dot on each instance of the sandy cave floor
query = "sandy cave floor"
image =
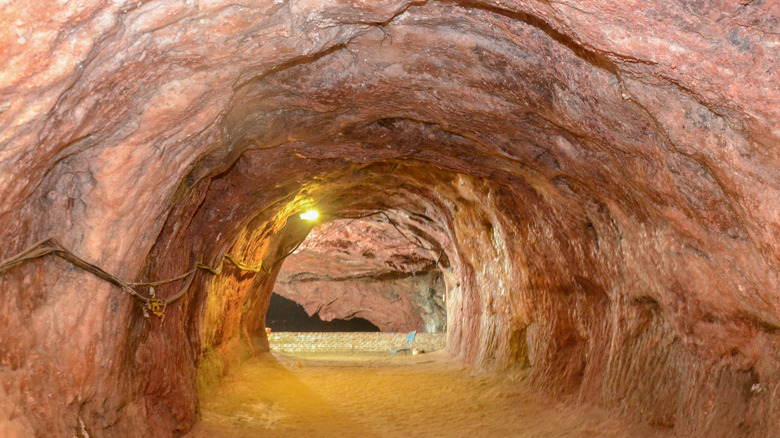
(368, 395)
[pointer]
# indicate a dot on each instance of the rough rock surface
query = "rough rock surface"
(368, 268)
(603, 178)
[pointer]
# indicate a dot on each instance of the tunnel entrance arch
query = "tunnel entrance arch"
(374, 268)
(406, 264)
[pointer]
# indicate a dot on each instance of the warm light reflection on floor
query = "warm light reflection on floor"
(372, 395)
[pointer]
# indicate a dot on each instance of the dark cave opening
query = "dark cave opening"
(288, 316)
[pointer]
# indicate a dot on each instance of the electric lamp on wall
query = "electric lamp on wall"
(310, 215)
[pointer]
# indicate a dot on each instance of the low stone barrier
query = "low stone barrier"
(352, 341)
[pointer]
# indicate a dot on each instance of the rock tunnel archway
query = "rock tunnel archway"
(367, 268)
(604, 188)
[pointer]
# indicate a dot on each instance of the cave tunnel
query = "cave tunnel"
(381, 271)
(596, 184)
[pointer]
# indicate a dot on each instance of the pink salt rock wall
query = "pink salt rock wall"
(602, 177)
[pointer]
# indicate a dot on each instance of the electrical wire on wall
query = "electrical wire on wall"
(152, 304)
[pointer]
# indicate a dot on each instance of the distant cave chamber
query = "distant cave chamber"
(288, 316)
(368, 268)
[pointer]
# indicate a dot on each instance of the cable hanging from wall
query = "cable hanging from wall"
(156, 306)
(152, 304)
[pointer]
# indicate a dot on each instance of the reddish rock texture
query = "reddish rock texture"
(603, 178)
(368, 268)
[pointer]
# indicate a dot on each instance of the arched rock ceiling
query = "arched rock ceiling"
(603, 176)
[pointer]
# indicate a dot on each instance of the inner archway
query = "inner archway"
(599, 178)
(376, 268)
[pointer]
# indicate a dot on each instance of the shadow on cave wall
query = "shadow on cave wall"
(288, 316)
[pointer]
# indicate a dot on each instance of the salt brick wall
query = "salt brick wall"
(352, 341)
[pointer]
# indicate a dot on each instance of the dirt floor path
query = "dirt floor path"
(369, 396)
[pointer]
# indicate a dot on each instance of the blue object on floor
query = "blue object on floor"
(410, 338)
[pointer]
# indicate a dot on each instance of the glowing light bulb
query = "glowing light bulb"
(310, 215)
